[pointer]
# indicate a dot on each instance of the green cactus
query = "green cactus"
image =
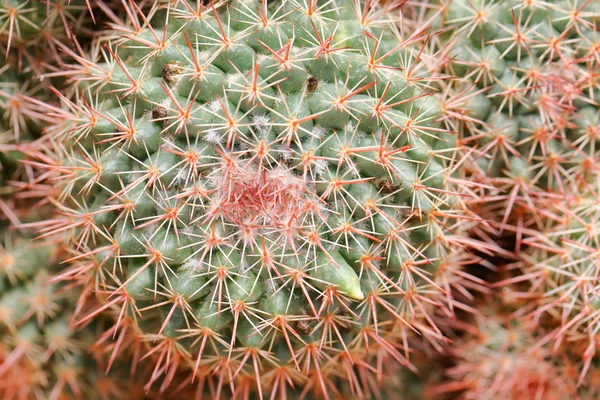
(531, 69)
(525, 99)
(35, 38)
(262, 193)
(269, 199)
(501, 356)
(43, 355)
(26, 24)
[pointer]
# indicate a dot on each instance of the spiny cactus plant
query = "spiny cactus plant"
(270, 199)
(36, 37)
(34, 331)
(526, 95)
(525, 98)
(259, 194)
(560, 260)
(503, 357)
(42, 355)
(26, 23)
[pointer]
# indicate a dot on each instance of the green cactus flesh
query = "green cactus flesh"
(264, 191)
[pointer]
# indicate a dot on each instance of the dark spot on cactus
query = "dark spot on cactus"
(303, 326)
(411, 214)
(386, 186)
(170, 72)
(312, 84)
(159, 114)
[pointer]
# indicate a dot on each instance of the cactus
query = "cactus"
(32, 36)
(260, 195)
(36, 38)
(279, 198)
(525, 100)
(500, 356)
(31, 27)
(42, 354)
(39, 350)
(525, 96)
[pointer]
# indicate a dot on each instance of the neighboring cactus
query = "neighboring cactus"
(42, 355)
(39, 349)
(26, 25)
(526, 95)
(503, 357)
(561, 261)
(526, 98)
(36, 38)
(260, 194)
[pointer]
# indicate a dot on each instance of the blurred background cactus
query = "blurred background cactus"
(43, 355)
(524, 97)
